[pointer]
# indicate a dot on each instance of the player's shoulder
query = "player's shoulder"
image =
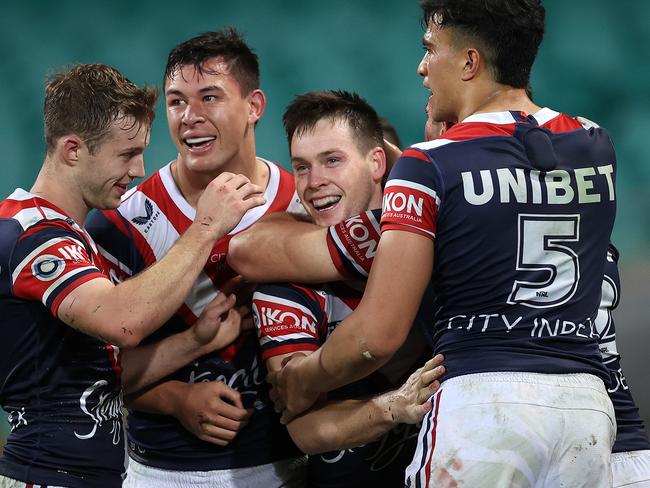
(558, 122)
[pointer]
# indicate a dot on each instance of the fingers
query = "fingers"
(428, 377)
(230, 394)
(232, 285)
(433, 362)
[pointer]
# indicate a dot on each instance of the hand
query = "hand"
(212, 411)
(219, 324)
(243, 290)
(410, 402)
(289, 394)
(224, 202)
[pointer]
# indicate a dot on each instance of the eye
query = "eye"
(174, 102)
(332, 160)
(300, 169)
(210, 98)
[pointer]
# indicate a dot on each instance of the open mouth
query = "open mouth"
(198, 142)
(326, 203)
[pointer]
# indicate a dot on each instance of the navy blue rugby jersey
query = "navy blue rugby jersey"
(520, 210)
(60, 387)
(630, 431)
(150, 219)
(292, 318)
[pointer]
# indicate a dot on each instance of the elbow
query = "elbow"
(126, 335)
(314, 440)
(237, 257)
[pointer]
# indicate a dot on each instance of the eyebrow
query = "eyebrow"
(205, 89)
(321, 154)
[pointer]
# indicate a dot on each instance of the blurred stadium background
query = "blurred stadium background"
(591, 63)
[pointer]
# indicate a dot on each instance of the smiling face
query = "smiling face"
(334, 179)
(210, 121)
(104, 175)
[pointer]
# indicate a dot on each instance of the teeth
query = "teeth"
(319, 203)
(199, 140)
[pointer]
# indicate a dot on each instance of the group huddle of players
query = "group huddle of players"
(435, 317)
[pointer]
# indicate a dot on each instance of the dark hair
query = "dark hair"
(510, 31)
(227, 44)
(306, 110)
(390, 133)
(87, 98)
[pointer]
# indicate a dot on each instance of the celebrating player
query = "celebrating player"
(64, 321)
(520, 216)
(338, 161)
(187, 431)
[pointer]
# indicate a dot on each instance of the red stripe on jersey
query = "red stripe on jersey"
(473, 130)
(286, 189)
(409, 207)
(186, 314)
(154, 189)
(228, 353)
(73, 286)
(414, 153)
(287, 349)
(334, 253)
(141, 243)
(115, 357)
(562, 123)
(433, 438)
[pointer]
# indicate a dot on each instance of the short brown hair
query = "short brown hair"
(308, 109)
(87, 98)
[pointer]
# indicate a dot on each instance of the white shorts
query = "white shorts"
(516, 430)
(12, 483)
(288, 473)
(631, 469)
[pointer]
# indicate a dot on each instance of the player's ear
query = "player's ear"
(377, 158)
(472, 63)
(69, 149)
(257, 105)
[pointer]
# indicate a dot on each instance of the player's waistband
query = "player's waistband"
(574, 391)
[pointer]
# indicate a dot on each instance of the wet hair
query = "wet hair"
(87, 98)
(390, 133)
(308, 109)
(508, 32)
(227, 44)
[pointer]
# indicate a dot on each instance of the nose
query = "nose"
(136, 169)
(192, 113)
(422, 67)
(317, 177)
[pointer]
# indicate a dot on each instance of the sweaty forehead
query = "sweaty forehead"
(189, 73)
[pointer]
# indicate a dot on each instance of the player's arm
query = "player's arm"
(365, 340)
(333, 425)
(217, 327)
(124, 314)
(281, 247)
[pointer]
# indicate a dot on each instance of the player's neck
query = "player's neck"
(192, 183)
(56, 189)
(495, 97)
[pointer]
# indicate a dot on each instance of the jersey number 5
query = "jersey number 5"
(549, 270)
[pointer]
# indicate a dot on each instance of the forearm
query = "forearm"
(283, 248)
(124, 314)
(341, 425)
(368, 338)
(162, 399)
(150, 298)
(144, 365)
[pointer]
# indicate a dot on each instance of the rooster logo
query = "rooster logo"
(143, 219)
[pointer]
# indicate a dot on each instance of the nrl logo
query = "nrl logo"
(143, 219)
